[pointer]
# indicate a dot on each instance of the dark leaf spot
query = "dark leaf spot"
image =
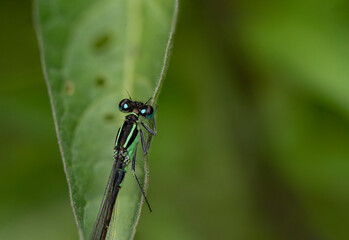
(101, 43)
(100, 81)
(109, 117)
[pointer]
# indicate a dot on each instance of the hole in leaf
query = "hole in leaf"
(101, 42)
(100, 81)
(69, 87)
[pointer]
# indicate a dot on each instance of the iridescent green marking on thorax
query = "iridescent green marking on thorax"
(117, 138)
(132, 147)
(130, 135)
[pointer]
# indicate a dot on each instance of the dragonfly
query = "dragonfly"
(125, 151)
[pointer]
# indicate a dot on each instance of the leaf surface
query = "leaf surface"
(93, 53)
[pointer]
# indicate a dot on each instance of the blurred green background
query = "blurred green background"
(252, 121)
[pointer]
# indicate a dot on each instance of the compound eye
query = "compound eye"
(149, 112)
(143, 111)
(125, 105)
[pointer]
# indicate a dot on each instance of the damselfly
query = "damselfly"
(124, 151)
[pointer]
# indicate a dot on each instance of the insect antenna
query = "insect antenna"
(129, 95)
(146, 103)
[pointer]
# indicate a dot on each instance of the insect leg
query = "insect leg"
(135, 176)
(145, 149)
(151, 131)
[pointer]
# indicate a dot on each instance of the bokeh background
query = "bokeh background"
(252, 121)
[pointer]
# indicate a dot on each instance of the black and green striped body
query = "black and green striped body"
(128, 136)
(125, 147)
(124, 152)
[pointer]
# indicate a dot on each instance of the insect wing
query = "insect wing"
(107, 205)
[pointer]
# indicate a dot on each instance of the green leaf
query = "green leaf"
(93, 52)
